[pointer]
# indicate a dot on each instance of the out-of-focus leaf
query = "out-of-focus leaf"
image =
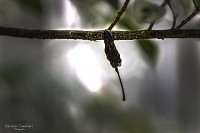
(127, 22)
(146, 11)
(149, 49)
(33, 5)
(8, 10)
(113, 3)
(86, 10)
(198, 3)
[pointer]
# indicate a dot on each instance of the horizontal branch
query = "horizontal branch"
(98, 34)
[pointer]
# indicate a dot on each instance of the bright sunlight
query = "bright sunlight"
(84, 62)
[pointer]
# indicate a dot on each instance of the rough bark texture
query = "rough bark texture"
(98, 34)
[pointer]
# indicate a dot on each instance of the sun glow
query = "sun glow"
(70, 14)
(85, 64)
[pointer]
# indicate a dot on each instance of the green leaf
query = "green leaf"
(114, 4)
(33, 5)
(146, 12)
(150, 50)
(127, 22)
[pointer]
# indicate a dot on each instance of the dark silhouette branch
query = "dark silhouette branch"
(119, 14)
(184, 22)
(194, 13)
(98, 34)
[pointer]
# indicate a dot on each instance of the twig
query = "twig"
(120, 80)
(194, 13)
(174, 14)
(152, 24)
(98, 34)
(195, 4)
(119, 14)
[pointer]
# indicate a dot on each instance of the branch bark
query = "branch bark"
(98, 34)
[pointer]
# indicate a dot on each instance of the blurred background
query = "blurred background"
(69, 86)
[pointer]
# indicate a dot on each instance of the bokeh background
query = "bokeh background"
(68, 86)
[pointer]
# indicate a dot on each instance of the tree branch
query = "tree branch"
(119, 14)
(98, 34)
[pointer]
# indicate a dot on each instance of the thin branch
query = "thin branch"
(120, 80)
(152, 24)
(98, 34)
(119, 14)
(175, 15)
(193, 14)
(195, 4)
